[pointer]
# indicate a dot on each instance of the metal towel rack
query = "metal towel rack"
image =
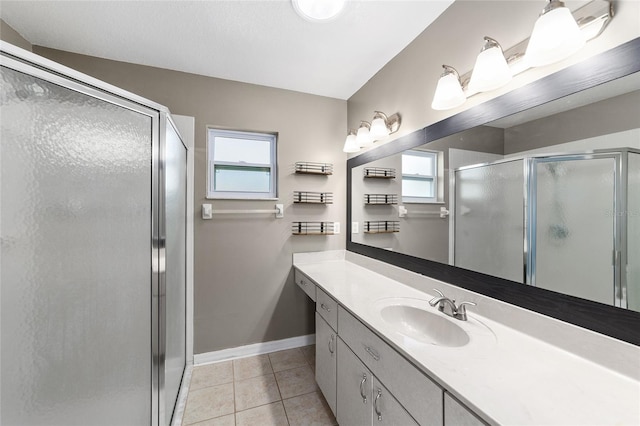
(403, 212)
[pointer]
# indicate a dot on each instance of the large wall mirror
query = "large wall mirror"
(532, 198)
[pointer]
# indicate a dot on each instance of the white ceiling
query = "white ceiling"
(260, 42)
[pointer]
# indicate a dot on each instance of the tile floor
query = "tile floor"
(272, 389)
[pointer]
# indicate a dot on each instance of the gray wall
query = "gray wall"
(601, 118)
(8, 34)
(244, 291)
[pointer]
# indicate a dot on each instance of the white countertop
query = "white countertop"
(504, 375)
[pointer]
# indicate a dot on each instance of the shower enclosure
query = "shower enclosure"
(92, 250)
(567, 223)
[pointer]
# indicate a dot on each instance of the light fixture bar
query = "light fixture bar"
(592, 18)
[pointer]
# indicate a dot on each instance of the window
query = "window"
(419, 177)
(242, 165)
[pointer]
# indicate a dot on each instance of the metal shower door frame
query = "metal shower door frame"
(619, 205)
(42, 68)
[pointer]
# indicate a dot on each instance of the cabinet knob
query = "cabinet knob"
(325, 307)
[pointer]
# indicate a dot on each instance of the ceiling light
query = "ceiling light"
(363, 137)
(555, 36)
(449, 92)
(318, 10)
(491, 70)
(350, 144)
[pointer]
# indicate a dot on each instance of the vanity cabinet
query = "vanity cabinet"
(419, 394)
(326, 344)
(362, 399)
(456, 414)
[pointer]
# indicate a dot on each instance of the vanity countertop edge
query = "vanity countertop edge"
(507, 378)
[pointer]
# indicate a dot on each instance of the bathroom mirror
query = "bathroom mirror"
(540, 187)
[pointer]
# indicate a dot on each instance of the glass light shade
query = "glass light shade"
(318, 10)
(379, 128)
(449, 93)
(350, 144)
(490, 72)
(363, 137)
(555, 36)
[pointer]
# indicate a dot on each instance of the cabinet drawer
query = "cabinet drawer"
(305, 284)
(327, 308)
(421, 397)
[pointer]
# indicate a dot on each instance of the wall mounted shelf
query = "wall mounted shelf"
(380, 199)
(379, 173)
(381, 226)
(314, 168)
(306, 197)
(312, 228)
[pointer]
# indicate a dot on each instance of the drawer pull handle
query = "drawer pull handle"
(302, 282)
(362, 392)
(375, 405)
(325, 307)
(373, 353)
(331, 343)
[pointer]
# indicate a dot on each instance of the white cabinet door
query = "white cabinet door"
(456, 414)
(387, 411)
(326, 341)
(355, 385)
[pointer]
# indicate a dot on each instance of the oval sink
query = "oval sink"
(424, 326)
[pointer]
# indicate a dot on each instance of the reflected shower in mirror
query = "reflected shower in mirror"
(549, 197)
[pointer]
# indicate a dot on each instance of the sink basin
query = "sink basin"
(424, 326)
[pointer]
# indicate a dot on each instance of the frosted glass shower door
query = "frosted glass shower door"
(489, 219)
(574, 205)
(76, 254)
(175, 201)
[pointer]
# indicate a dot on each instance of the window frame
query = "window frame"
(271, 137)
(433, 178)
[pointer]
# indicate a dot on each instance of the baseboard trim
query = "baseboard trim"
(254, 349)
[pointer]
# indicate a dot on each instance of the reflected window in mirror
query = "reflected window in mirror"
(420, 177)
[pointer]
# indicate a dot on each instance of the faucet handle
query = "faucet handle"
(439, 292)
(461, 312)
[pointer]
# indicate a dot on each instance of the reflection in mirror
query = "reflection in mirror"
(548, 197)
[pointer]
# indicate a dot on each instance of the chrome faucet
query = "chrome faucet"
(458, 312)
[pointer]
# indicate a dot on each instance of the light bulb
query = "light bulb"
(350, 144)
(363, 137)
(379, 129)
(555, 36)
(318, 10)
(491, 70)
(449, 92)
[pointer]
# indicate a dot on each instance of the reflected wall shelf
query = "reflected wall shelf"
(380, 199)
(314, 168)
(312, 228)
(307, 197)
(379, 173)
(381, 226)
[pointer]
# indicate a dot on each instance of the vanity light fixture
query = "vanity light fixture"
(449, 92)
(556, 36)
(491, 70)
(318, 10)
(380, 127)
(547, 45)
(363, 137)
(350, 144)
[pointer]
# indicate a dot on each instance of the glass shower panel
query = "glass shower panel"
(489, 219)
(633, 232)
(574, 206)
(75, 259)
(176, 219)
